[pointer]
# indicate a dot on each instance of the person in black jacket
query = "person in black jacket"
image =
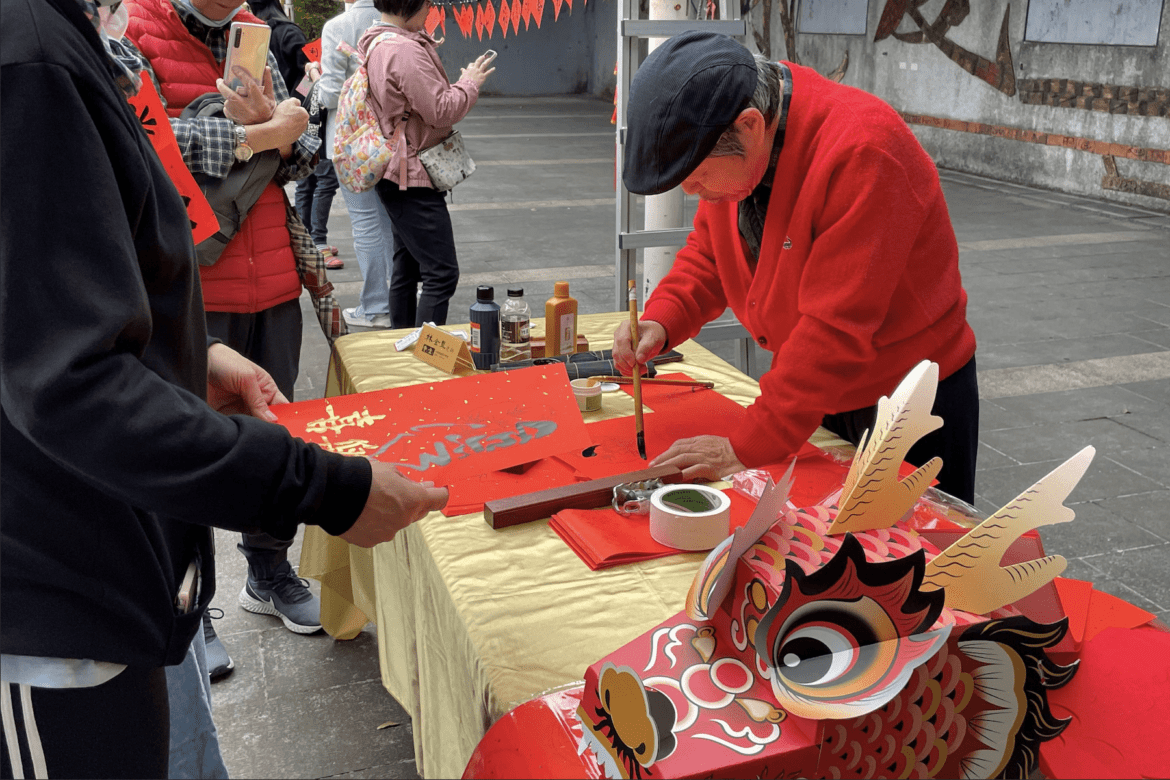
(123, 432)
(287, 42)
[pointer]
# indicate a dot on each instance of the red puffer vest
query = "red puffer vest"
(257, 269)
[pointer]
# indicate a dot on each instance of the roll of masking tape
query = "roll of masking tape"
(689, 517)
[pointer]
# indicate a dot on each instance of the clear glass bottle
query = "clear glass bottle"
(515, 318)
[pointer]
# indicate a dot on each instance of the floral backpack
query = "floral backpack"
(360, 152)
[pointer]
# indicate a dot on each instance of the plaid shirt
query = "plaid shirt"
(208, 143)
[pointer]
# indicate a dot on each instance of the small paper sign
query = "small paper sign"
(312, 50)
(444, 351)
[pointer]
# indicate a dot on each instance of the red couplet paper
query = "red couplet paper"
(676, 413)
(448, 431)
(312, 50)
(603, 538)
(153, 118)
(470, 494)
(1117, 702)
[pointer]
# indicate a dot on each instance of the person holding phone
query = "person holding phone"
(125, 432)
(409, 84)
(251, 293)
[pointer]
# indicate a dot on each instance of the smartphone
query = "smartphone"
(188, 589)
(490, 54)
(247, 50)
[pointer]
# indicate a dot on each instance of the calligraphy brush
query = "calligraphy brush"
(637, 377)
(646, 380)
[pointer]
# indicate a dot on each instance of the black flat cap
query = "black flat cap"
(687, 92)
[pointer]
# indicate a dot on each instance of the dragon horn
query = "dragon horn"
(969, 571)
(873, 497)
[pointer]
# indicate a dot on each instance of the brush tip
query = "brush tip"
(642, 445)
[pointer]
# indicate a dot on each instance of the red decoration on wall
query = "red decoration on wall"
(570, 4)
(153, 118)
(517, 11)
(465, 18)
(479, 20)
(489, 18)
(526, 6)
(557, 9)
(443, 19)
(537, 11)
(505, 17)
(432, 20)
(312, 50)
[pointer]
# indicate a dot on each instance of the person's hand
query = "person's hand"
(236, 385)
(313, 71)
(477, 71)
(394, 503)
(701, 457)
(252, 102)
(651, 339)
(289, 121)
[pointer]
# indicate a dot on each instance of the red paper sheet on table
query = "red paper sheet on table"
(603, 538)
(470, 494)
(451, 430)
(153, 118)
(1117, 703)
(678, 413)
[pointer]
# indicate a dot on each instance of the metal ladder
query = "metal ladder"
(631, 30)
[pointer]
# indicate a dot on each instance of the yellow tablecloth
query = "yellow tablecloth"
(472, 621)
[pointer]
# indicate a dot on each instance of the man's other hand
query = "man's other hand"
(236, 385)
(252, 102)
(651, 339)
(701, 457)
(394, 503)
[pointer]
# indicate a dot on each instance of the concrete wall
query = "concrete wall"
(1088, 119)
(574, 54)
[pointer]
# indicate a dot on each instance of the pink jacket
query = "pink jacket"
(405, 73)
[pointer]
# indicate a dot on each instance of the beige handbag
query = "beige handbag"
(447, 162)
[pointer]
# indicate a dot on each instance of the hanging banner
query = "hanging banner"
(152, 116)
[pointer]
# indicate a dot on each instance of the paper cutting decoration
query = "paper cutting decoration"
(153, 117)
(557, 9)
(873, 497)
(445, 431)
(489, 18)
(969, 569)
(505, 17)
(517, 12)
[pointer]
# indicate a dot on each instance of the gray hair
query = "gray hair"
(766, 98)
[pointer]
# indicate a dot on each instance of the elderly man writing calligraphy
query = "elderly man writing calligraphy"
(822, 224)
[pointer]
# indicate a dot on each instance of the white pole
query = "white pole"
(663, 211)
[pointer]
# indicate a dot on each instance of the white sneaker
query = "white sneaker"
(353, 319)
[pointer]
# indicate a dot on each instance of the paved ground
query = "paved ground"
(1069, 298)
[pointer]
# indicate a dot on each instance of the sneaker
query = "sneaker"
(285, 596)
(353, 319)
(219, 663)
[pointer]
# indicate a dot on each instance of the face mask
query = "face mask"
(224, 22)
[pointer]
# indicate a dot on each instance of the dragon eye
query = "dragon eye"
(830, 644)
(815, 655)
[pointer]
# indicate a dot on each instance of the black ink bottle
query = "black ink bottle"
(485, 328)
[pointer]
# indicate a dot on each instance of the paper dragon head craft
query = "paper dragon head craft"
(836, 641)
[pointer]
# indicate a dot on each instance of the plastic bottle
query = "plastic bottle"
(560, 322)
(515, 317)
(485, 327)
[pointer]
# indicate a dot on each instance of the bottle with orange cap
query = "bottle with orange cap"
(560, 322)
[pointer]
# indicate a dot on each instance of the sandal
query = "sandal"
(329, 250)
(334, 263)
